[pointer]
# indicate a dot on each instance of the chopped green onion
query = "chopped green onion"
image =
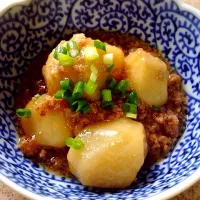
(94, 73)
(73, 49)
(155, 108)
(107, 104)
(131, 115)
(107, 96)
(111, 82)
(23, 112)
(133, 98)
(90, 87)
(71, 44)
(100, 45)
(65, 60)
(122, 86)
(66, 84)
(59, 94)
(74, 52)
(129, 108)
(67, 95)
(110, 67)
(108, 59)
(37, 96)
(59, 49)
(85, 109)
(79, 104)
(91, 53)
(74, 143)
(78, 90)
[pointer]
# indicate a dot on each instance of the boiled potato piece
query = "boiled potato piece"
(81, 69)
(148, 75)
(112, 155)
(47, 122)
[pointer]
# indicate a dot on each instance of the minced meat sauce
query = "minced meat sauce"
(162, 127)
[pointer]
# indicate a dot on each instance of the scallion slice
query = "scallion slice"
(156, 108)
(59, 49)
(67, 95)
(65, 60)
(133, 98)
(73, 49)
(23, 112)
(91, 53)
(85, 109)
(74, 143)
(108, 59)
(72, 44)
(66, 84)
(111, 82)
(90, 87)
(107, 95)
(79, 104)
(110, 67)
(59, 94)
(122, 86)
(100, 45)
(94, 73)
(78, 90)
(131, 115)
(129, 108)
(107, 104)
(74, 52)
(37, 96)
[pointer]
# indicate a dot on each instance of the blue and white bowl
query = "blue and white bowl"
(29, 27)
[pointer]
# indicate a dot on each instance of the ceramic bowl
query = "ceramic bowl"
(29, 27)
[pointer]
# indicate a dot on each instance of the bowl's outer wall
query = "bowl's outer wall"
(27, 30)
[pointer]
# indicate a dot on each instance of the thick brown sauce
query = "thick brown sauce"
(162, 128)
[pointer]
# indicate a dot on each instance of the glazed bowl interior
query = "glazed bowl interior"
(28, 29)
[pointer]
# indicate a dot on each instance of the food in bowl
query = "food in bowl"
(106, 107)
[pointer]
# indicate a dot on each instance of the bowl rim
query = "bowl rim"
(167, 194)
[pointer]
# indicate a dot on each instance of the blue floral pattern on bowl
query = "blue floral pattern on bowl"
(27, 30)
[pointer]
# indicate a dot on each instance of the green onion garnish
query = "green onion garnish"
(78, 90)
(107, 104)
(73, 49)
(100, 45)
(131, 115)
(74, 52)
(59, 94)
(111, 82)
(65, 60)
(74, 143)
(79, 104)
(107, 96)
(133, 98)
(37, 96)
(66, 84)
(122, 86)
(91, 53)
(23, 112)
(71, 44)
(108, 59)
(67, 95)
(110, 67)
(59, 49)
(85, 109)
(129, 108)
(90, 87)
(94, 73)
(155, 108)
